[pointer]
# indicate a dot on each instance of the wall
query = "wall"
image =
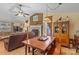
(74, 21)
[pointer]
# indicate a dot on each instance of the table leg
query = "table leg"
(25, 49)
(28, 49)
(33, 51)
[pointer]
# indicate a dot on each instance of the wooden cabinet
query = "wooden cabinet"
(61, 32)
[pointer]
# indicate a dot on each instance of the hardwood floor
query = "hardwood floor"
(21, 51)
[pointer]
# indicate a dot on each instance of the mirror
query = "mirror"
(35, 18)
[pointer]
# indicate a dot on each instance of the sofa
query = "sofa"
(15, 40)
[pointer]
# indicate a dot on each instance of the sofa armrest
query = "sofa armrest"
(6, 40)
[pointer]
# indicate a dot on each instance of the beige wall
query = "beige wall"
(74, 21)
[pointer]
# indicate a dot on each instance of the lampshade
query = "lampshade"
(47, 19)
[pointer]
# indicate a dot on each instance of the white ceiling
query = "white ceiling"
(6, 14)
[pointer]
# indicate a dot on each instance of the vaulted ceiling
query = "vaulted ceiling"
(6, 14)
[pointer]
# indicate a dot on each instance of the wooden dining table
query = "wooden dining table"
(34, 43)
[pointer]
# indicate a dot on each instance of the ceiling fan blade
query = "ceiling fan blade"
(26, 13)
(16, 14)
(13, 9)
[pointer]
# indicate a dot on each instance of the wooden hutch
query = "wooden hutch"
(61, 32)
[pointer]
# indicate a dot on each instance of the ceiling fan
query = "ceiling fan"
(20, 11)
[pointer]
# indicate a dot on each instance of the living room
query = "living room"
(39, 29)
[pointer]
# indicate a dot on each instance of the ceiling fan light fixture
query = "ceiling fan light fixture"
(20, 14)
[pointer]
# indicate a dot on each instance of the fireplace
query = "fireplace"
(36, 29)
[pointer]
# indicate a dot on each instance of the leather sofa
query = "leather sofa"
(15, 40)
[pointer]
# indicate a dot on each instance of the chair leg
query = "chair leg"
(77, 49)
(26, 50)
